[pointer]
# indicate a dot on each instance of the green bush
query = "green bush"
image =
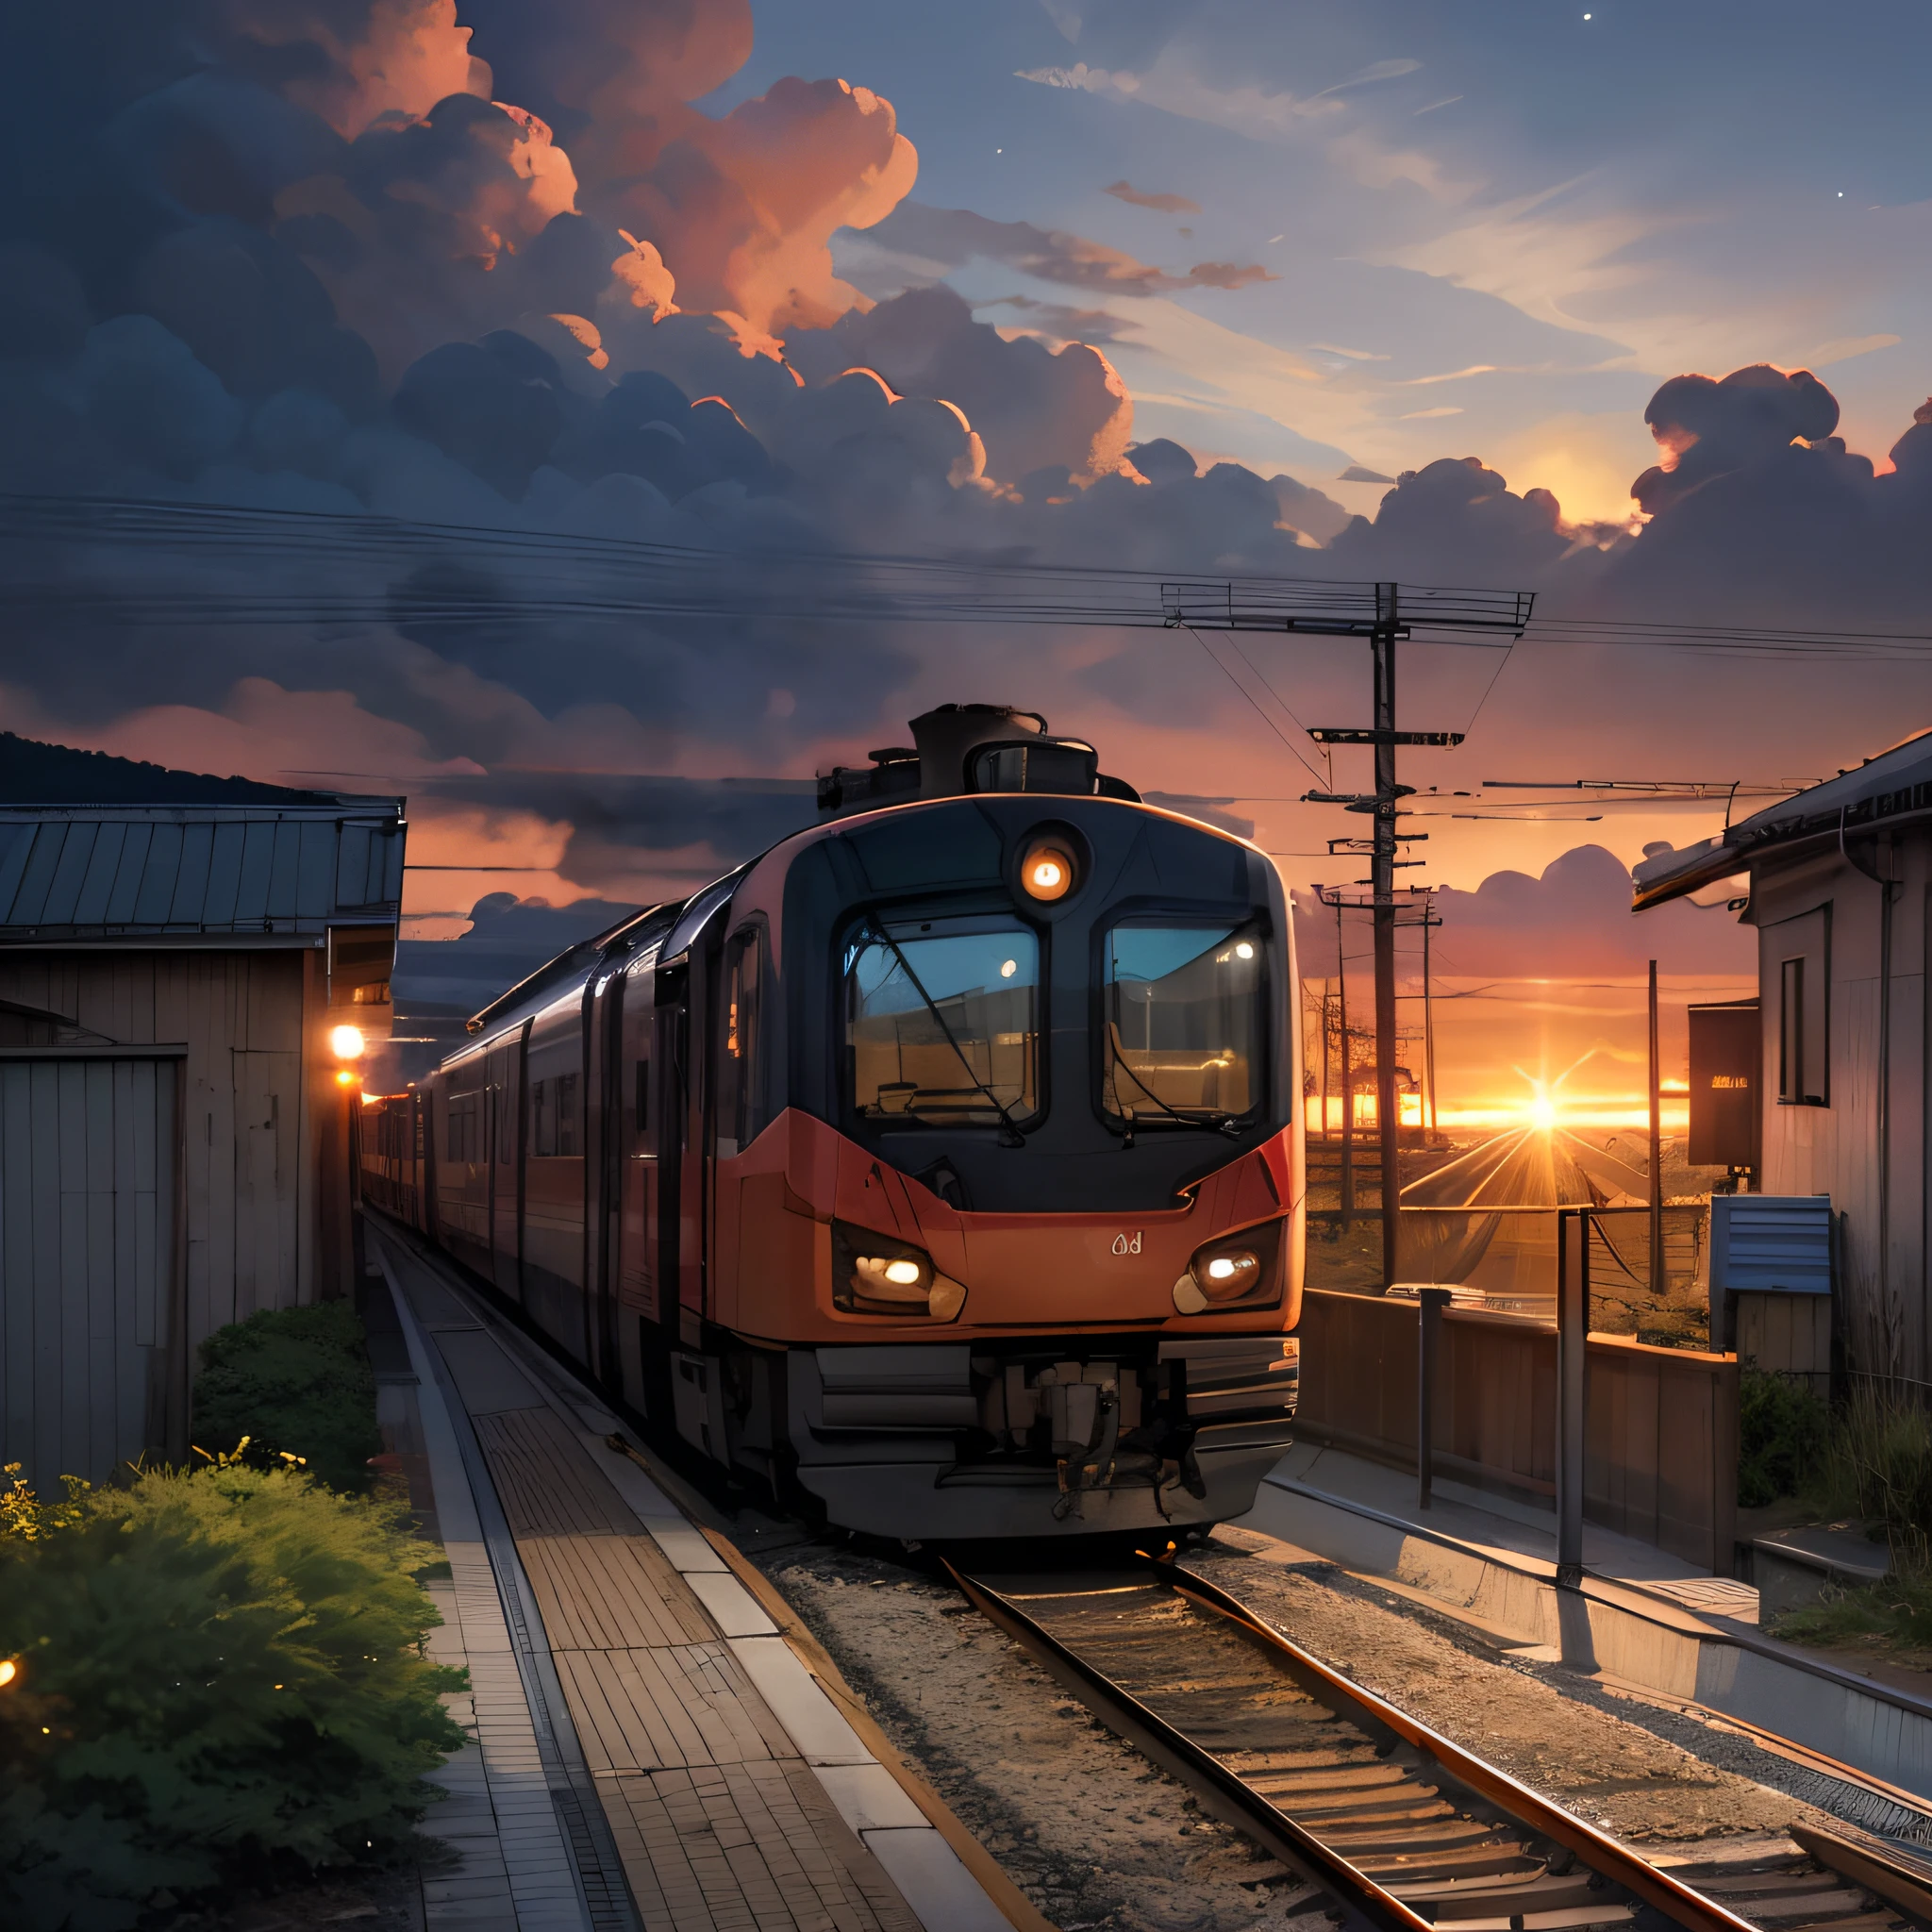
(292, 1381)
(1783, 1434)
(219, 1677)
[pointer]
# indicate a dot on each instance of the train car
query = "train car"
(942, 1168)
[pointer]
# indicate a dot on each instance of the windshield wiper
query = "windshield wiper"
(1010, 1135)
(1225, 1124)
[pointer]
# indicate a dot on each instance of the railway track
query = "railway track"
(1404, 1829)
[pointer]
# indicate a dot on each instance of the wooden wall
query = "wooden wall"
(1788, 1335)
(1662, 1424)
(261, 1120)
(89, 1197)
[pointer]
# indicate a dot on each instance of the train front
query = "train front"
(1021, 1200)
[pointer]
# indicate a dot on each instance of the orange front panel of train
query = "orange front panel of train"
(1020, 1272)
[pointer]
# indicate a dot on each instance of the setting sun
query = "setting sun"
(1540, 1112)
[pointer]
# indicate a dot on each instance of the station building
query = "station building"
(179, 955)
(1837, 882)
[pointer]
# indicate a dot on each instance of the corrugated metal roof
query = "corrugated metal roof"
(1775, 1243)
(131, 872)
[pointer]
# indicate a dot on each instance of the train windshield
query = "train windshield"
(1185, 1022)
(942, 1022)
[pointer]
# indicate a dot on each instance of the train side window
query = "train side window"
(569, 1138)
(643, 1100)
(741, 1072)
(543, 1117)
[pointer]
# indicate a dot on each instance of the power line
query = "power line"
(60, 558)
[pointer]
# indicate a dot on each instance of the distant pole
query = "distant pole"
(1428, 1020)
(1327, 1007)
(1657, 1152)
(1572, 1327)
(1347, 1081)
(1382, 876)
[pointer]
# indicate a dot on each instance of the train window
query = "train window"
(942, 1021)
(465, 1141)
(554, 1116)
(1186, 1008)
(741, 1072)
(643, 1100)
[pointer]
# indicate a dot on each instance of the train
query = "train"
(939, 1171)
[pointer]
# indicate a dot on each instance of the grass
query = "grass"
(1870, 1464)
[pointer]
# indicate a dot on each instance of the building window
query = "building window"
(1798, 962)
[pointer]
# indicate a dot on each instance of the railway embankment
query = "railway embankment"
(1642, 1622)
(1096, 1835)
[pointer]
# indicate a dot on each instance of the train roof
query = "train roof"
(960, 751)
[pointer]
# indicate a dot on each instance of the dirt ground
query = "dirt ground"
(1096, 1837)
(1082, 1824)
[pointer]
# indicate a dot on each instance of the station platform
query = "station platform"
(1642, 1623)
(651, 1749)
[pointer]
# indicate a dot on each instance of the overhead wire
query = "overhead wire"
(521, 575)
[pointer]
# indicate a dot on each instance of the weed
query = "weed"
(1784, 1433)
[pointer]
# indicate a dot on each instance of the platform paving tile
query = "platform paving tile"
(721, 1825)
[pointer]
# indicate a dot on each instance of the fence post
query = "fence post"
(1430, 1304)
(1572, 1323)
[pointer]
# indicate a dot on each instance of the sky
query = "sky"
(419, 316)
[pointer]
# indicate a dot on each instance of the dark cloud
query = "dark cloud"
(1069, 324)
(1304, 508)
(1573, 923)
(954, 236)
(344, 261)
(1228, 275)
(1163, 204)
(1455, 523)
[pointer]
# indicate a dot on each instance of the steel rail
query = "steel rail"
(1596, 1849)
(1458, 1773)
(1326, 1867)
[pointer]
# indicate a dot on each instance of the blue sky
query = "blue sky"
(1568, 208)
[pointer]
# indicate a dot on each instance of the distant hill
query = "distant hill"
(35, 774)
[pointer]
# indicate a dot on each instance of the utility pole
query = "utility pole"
(1382, 878)
(1347, 1082)
(1427, 921)
(1377, 612)
(1328, 1003)
(1656, 1150)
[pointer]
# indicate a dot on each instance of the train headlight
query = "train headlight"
(1046, 871)
(347, 1043)
(877, 1275)
(1235, 1268)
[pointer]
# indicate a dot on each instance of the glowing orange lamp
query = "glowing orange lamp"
(1047, 871)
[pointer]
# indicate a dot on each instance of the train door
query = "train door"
(636, 1094)
(504, 1110)
(680, 1177)
(603, 1148)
